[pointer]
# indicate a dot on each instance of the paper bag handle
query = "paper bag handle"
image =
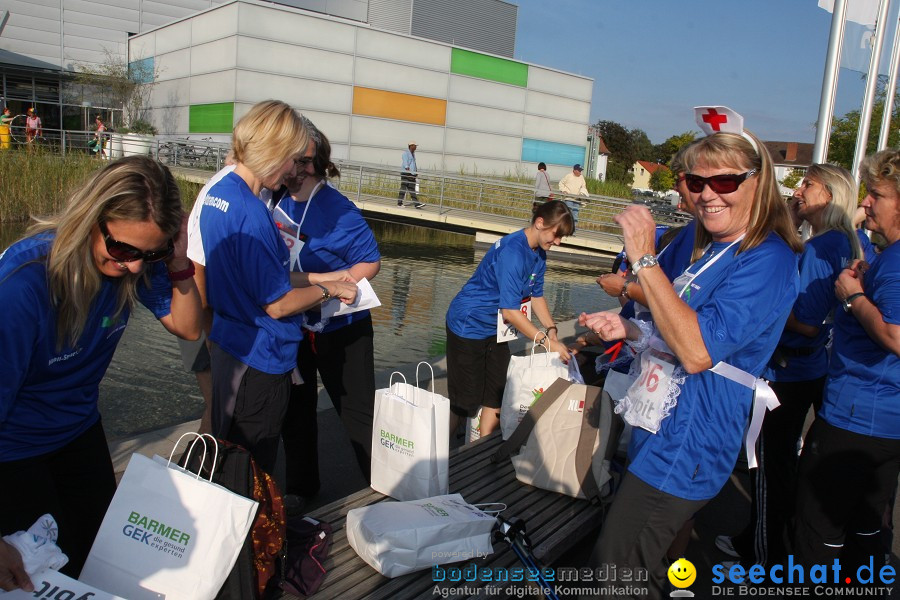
(542, 344)
(197, 437)
(391, 380)
(430, 368)
(490, 511)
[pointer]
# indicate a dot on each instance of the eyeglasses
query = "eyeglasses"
(301, 163)
(720, 184)
(123, 252)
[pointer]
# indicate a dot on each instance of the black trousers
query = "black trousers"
(640, 527)
(407, 184)
(345, 360)
(75, 484)
(773, 484)
(845, 482)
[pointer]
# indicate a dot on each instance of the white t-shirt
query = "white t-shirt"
(195, 243)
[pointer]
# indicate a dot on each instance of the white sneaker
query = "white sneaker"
(723, 543)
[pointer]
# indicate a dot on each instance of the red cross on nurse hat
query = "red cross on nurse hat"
(721, 119)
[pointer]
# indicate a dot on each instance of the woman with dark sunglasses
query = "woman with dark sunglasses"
(710, 337)
(825, 201)
(255, 303)
(329, 239)
(67, 290)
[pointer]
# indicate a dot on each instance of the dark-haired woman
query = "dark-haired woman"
(512, 270)
(67, 290)
(329, 239)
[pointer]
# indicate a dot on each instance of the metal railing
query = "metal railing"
(360, 181)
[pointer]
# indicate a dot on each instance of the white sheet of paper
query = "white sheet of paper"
(365, 300)
(58, 584)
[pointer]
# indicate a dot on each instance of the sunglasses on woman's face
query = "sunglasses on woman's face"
(123, 252)
(720, 184)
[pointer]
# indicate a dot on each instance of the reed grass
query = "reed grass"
(37, 183)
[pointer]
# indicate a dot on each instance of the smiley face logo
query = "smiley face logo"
(682, 573)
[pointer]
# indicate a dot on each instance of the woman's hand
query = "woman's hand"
(609, 326)
(639, 231)
(342, 275)
(612, 284)
(345, 291)
(12, 571)
(850, 281)
(179, 260)
(557, 346)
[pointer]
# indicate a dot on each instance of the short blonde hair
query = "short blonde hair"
(269, 134)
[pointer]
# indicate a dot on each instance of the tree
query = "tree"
(791, 180)
(662, 179)
(641, 145)
(844, 129)
(116, 83)
(618, 172)
(673, 144)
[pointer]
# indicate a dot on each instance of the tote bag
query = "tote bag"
(396, 538)
(167, 533)
(526, 379)
(566, 442)
(411, 441)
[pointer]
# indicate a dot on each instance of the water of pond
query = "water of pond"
(147, 387)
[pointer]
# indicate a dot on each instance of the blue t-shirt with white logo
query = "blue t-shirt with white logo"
(742, 303)
(510, 271)
(862, 393)
(335, 237)
(247, 268)
(48, 396)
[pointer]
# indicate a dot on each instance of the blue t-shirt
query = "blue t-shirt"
(247, 268)
(863, 389)
(48, 397)
(510, 271)
(742, 303)
(823, 259)
(335, 236)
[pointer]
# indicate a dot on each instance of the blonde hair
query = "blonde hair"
(768, 213)
(269, 134)
(838, 213)
(136, 188)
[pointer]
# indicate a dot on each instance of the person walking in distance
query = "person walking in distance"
(408, 176)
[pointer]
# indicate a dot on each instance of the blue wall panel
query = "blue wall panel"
(551, 152)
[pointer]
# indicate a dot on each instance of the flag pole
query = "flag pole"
(890, 91)
(829, 81)
(865, 117)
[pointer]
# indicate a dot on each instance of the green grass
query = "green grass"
(38, 183)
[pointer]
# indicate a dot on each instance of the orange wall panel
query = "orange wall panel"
(402, 107)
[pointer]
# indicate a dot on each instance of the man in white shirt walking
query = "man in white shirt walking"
(408, 177)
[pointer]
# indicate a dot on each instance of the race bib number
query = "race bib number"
(290, 233)
(646, 398)
(505, 330)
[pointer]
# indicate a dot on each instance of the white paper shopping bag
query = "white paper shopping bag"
(527, 377)
(411, 440)
(167, 533)
(396, 538)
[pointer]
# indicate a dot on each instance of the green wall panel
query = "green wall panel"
(211, 118)
(466, 62)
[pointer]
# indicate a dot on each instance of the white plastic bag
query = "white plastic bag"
(396, 538)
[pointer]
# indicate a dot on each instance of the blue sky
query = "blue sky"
(652, 61)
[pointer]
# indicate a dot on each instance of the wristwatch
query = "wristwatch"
(848, 301)
(647, 260)
(326, 295)
(624, 293)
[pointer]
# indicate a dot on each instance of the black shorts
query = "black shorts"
(476, 373)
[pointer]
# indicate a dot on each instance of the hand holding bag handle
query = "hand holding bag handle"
(584, 451)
